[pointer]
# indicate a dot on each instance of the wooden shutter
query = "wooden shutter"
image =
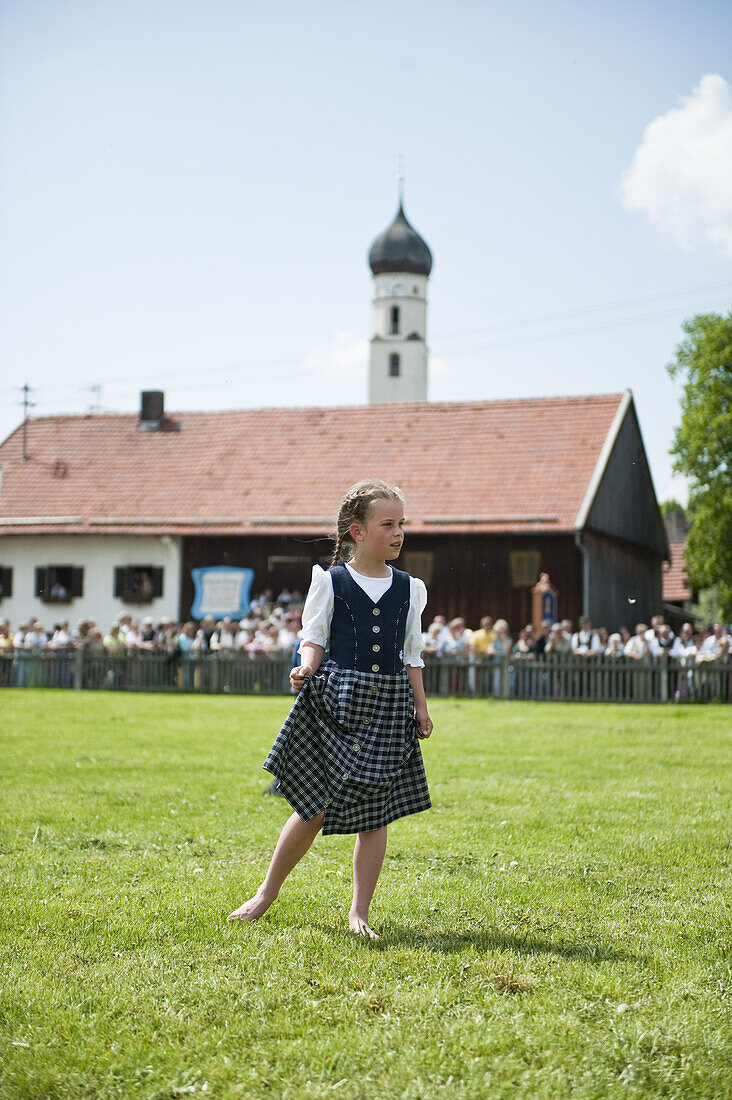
(77, 582)
(41, 581)
(120, 581)
(156, 576)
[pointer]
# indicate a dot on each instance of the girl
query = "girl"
(347, 757)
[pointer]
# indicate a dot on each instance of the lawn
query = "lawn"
(557, 925)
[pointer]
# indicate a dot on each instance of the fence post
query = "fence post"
(505, 679)
(78, 669)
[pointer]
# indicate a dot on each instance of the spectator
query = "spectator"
(713, 645)
(683, 647)
(112, 641)
(244, 634)
(455, 640)
(206, 631)
(542, 637)
(501, 644)
(664, 640)
(125, 623)
(430, 639)
(287, 636)
(684, 651)
(654, 632)
(36, 637)
(637, 648)
(148, 635)
(483, 637)
(522, 646)
(61, 637)
(559, 641)
(6, 640)
(264, 601)
(187, 638)
(167, 634)
(614, 647)
(224, 636)
(585, 642)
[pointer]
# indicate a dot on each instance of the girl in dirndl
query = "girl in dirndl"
(348, 758)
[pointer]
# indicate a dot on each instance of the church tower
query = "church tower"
(400, 262)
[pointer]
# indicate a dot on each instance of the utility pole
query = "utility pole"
(96, 404)
(27, 404)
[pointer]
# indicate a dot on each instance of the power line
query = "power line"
(622, 303)
(201, 378)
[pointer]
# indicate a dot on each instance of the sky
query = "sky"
(189, 191)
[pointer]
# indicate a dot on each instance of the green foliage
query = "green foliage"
(671, 507)
(557, 926)
(703, 450)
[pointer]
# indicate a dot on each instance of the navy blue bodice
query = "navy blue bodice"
(365, 635)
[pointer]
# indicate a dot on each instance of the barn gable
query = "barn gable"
(621, 500)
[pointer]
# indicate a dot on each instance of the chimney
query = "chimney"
(152, 413)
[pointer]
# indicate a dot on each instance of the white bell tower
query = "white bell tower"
(400, 262)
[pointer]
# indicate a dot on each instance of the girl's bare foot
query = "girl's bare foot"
(361, 926)
(252, 909)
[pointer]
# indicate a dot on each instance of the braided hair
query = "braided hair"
(356, 508)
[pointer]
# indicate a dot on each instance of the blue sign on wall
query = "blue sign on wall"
(221, 590)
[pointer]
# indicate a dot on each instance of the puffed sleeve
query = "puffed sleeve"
(318, 610)
(413, 633)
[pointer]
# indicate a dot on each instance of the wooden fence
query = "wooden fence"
(566, 679)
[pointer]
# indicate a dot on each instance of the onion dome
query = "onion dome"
(400, 248)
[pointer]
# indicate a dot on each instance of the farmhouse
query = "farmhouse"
(114, 511)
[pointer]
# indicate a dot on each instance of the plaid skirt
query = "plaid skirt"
(349, 747)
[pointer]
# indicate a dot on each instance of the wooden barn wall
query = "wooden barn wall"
(253, 552)
(625, 504)
(626, 582)
(471, 573)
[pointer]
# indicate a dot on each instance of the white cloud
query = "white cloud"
(680, 174)
(345, 357)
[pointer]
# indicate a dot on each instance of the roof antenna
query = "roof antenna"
(400, 178)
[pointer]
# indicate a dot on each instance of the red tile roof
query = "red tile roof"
(519, 465)
(675, 582)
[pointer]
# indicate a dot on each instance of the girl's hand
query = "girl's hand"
(424, 724)
(299, 675)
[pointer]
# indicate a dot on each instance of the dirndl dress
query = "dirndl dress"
(349, 744)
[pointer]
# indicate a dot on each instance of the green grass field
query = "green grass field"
(557, 925)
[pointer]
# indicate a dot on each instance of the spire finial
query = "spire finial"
(400, 178)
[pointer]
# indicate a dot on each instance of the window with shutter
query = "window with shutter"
(59, 583)
(6, 581)
(138, 583)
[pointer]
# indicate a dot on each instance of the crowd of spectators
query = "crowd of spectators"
(271, 629)
(647, 643)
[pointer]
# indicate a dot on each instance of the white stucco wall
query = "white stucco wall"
(98, 555)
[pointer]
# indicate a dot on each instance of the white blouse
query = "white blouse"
(318, 610)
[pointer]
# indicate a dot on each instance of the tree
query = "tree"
(702, 449)
(671, 507)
